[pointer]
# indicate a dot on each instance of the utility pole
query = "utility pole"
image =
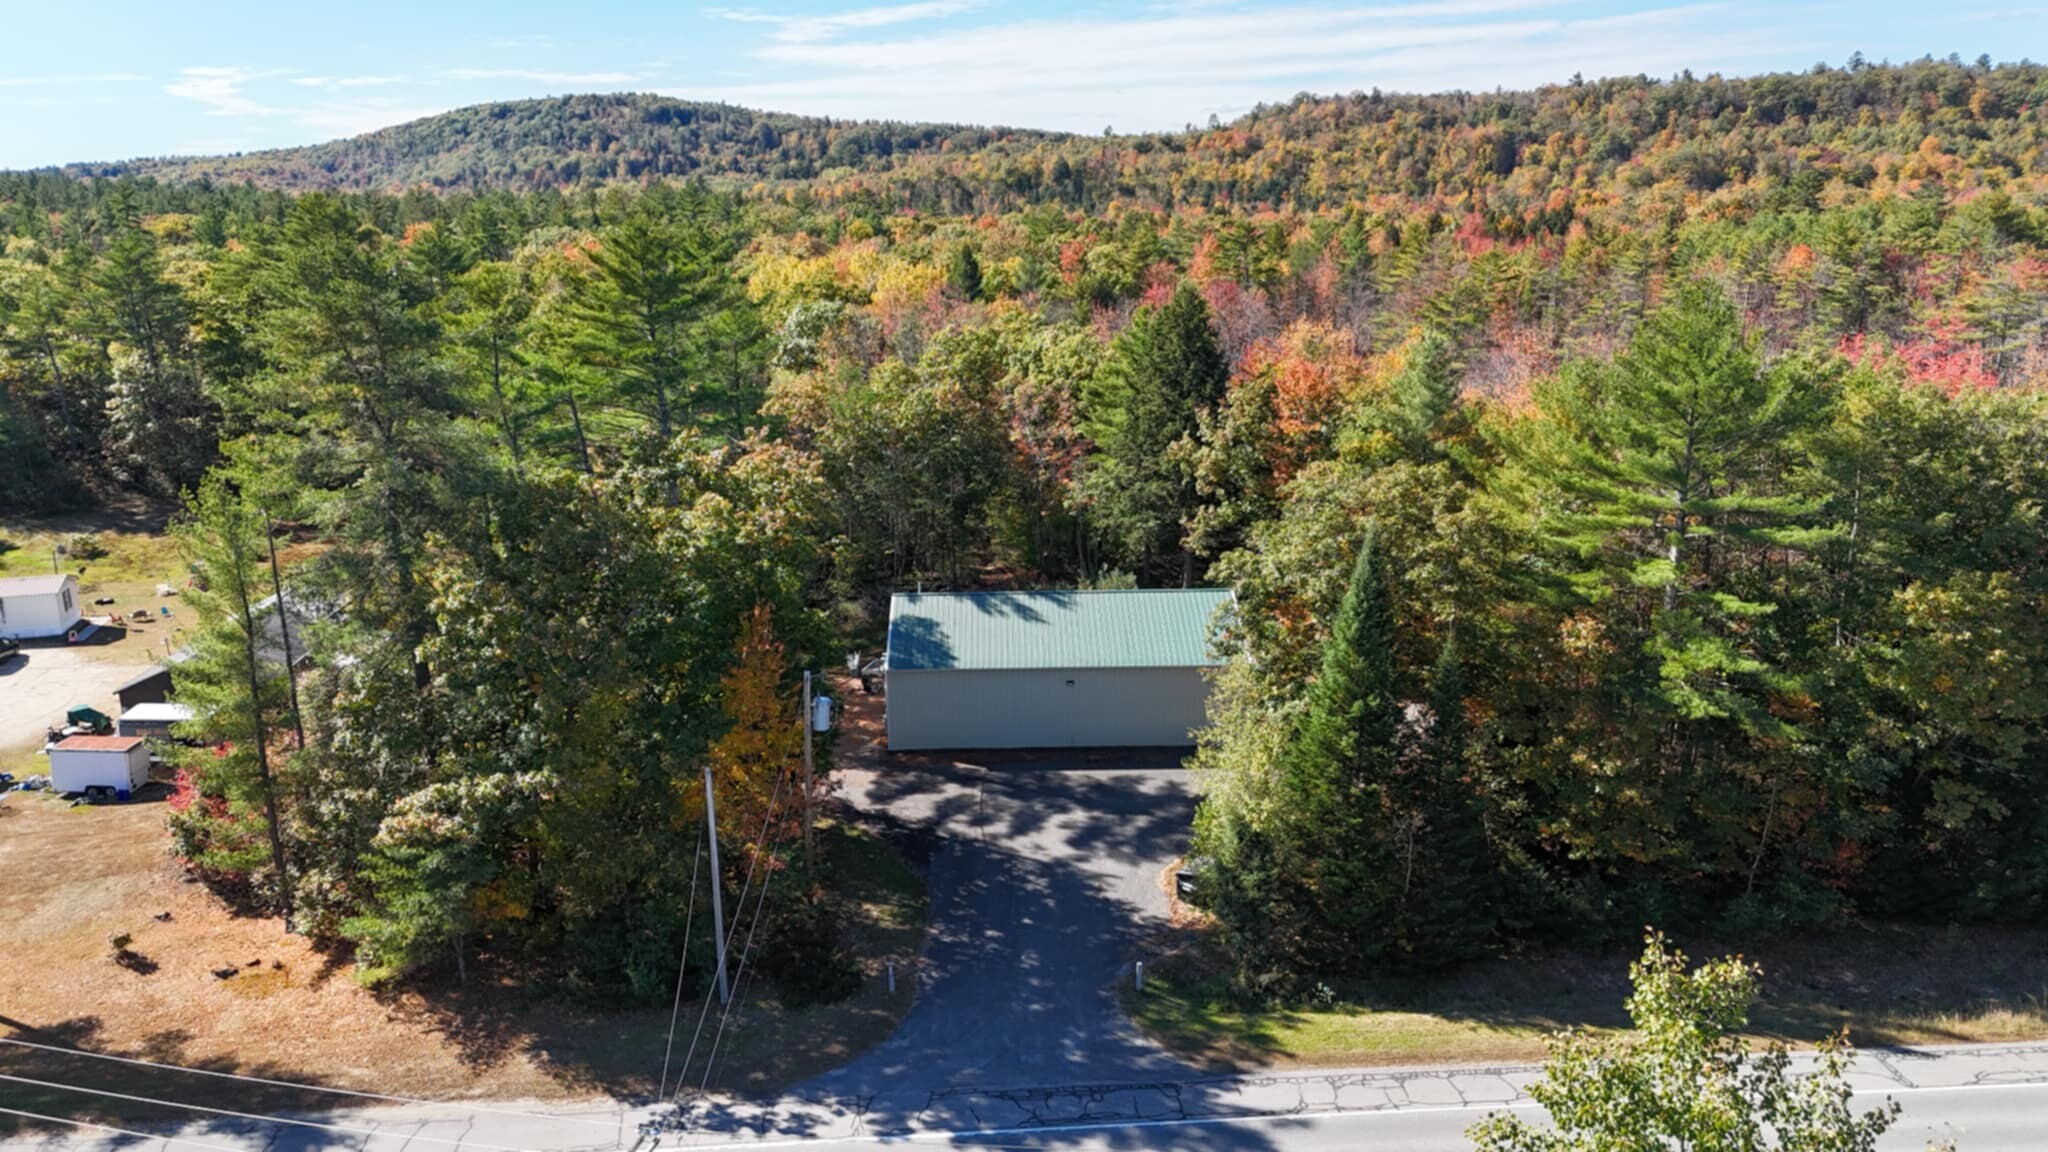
(717, 882)
(810, 871)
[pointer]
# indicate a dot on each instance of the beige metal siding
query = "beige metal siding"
(1045, 708)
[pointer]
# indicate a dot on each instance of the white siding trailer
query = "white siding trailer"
(117, 762)
(38, 607)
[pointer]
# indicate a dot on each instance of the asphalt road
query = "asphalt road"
(1985, 1099)
(1977, 1118)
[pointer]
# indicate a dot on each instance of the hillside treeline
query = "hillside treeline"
(576, 142)
(1676, 560)
(1527, 162)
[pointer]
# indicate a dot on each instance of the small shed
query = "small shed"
(38, 607)
(81, 762)
(151, 687)
(153, 719)
(1049, 669)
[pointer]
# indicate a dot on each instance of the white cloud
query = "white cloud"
(223, 91)
(571, 79)
(347, 81)
(1161, 69)
(803, 29)
(220, 90)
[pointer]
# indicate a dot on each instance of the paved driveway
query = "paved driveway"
(1045, 876)
(37, 686)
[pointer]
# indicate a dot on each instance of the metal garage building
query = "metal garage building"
(1049, 669)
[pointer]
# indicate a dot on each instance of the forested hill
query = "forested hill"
(1524, 159)
(572, 141)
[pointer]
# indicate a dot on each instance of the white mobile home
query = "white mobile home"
(81, 762)
(1049, 669)
(38, 607)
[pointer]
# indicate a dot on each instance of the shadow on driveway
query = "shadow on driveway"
(1045, 879)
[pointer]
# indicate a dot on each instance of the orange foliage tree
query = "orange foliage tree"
(761, 747)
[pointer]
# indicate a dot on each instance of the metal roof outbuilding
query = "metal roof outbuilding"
(1050, 669)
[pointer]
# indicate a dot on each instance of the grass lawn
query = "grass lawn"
(292, 1012)
(138, 549)
(1885, 984)
(140, 556)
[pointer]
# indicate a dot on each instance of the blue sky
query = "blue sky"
(109, 80)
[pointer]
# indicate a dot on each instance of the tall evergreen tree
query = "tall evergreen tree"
(1663, 482)
(963, 274)
(1445, 908)
(1425, 393)
(1166, 369)
(1337, 834)
(487, 314)
(160, 422)
(359, 403)
(238, 698)
(658, 278)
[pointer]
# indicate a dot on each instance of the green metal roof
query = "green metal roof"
(1145, 628)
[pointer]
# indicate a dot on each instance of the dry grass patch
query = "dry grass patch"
(78, 878)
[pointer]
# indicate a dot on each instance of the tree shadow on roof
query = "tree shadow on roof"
(919, 642)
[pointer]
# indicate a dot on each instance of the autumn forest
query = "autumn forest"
(1633, 490)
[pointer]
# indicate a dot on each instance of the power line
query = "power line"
(740, 980)
(260, 1117)
(611, 1124)
(725, 945)
(676, 1009)
(120, 1131)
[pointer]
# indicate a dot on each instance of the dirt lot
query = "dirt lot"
(40, 683)
(36, 687)
(74, 878)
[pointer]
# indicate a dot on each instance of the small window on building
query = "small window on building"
(67, 597)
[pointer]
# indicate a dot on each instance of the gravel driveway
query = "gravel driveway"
(1045, 875)
(37, 686)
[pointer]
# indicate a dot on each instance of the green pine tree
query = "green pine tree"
(963, 275)
(1165, 370)
(231, 823)
(1444, 910)
(1337, 834)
